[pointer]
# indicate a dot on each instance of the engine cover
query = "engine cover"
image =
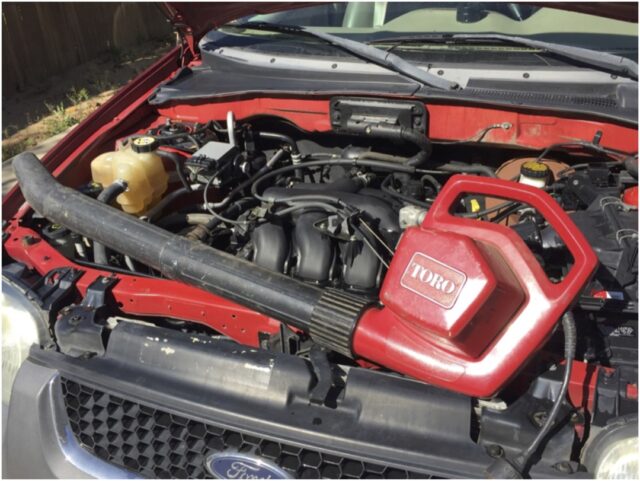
(466, 302)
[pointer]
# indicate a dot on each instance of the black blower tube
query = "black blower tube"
(193, 263)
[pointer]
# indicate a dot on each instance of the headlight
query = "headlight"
(613, 454)
(22, 322)
(619, 460)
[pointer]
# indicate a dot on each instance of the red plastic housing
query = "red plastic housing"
(466, 302)
(630, 196)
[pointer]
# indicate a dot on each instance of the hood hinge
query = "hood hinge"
(185, 32)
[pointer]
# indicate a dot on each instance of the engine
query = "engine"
(330, 211)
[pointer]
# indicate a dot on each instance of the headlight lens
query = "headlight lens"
(21, 321)
(619, 460)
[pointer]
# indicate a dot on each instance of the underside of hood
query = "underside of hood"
(199, 18)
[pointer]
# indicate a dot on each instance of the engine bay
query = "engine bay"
(448, 261)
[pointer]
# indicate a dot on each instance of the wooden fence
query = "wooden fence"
(41, 39)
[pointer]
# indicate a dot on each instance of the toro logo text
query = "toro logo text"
(433, 280)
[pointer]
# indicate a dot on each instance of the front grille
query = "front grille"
(160, 444)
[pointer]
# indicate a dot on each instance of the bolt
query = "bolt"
(29, 240)
(564, 467)
(440, 72)
(525, 75)
(576, 418)
(539, 418)
(75, 320)
(495, 451)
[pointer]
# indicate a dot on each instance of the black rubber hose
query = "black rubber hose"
(282, 138)
(504, 468)
(176, 159)
(275, 295)
(107, 196)
(396, 132)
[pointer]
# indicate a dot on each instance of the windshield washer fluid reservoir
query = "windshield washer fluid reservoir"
(141, 167)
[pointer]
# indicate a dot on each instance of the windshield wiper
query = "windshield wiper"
(599, 60)
(374, 55)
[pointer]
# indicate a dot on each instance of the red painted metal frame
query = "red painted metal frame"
(144, 296)
(446, 122)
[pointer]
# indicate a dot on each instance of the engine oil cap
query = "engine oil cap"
(144, 144)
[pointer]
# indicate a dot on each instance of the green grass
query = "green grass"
(78, 96)
(60, 120)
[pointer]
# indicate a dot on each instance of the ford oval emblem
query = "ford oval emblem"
(234, 465)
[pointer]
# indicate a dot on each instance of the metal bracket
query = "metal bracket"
(80, 328)
(323, 373)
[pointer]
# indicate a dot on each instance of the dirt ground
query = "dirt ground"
(48, 109)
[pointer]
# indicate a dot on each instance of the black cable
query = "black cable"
(585, 145)
(506, 213)
(175, 158)
(513, 469)
(490, 210)
(210, 209)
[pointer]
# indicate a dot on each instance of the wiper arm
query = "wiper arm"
(387, 60)
(599, 60)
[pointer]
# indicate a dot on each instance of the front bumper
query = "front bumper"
(159, 402)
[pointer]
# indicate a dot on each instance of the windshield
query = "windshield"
(374, 21)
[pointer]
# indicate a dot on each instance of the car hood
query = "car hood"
(202, 17)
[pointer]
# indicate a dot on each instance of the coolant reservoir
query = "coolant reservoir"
(141, 167)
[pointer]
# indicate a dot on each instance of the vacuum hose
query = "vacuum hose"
(328, 315)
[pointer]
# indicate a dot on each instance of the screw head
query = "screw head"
(495, 451)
